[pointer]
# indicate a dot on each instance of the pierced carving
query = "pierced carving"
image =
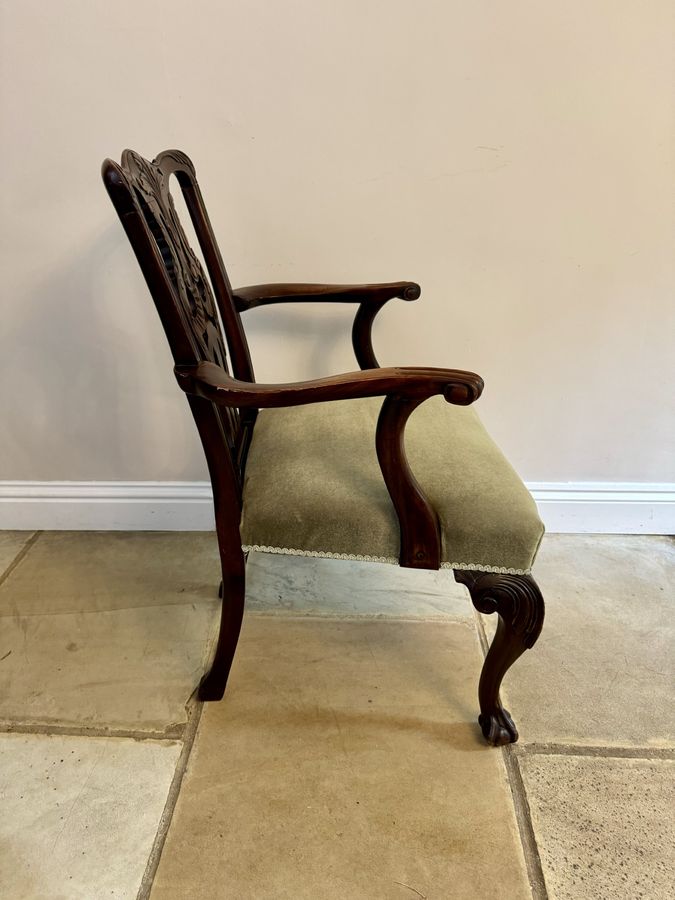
(195, 301)
(519, 605)
(182, 265)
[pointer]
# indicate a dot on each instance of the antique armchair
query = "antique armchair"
(321, 468)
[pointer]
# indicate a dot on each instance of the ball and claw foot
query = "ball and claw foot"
(499, 728)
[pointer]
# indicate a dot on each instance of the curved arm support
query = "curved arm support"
(418, 522)
(362, 337)
(213, 383)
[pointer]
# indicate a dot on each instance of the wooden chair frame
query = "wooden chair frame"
(225, 406)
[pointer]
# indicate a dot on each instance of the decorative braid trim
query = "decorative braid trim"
(390, 560)
(322, 554)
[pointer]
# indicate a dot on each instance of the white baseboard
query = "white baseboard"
(598, 507)
(106, 505)
(573, 507)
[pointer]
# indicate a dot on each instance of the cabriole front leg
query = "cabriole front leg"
(519, 605)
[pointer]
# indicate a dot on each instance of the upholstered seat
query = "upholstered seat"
(314, 487)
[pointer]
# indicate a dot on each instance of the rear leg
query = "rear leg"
(232, 592)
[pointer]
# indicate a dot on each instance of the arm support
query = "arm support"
(404, 390)
(370, 297)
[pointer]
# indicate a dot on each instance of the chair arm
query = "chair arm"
(370, 297)
(403, 389)
(213, 383)
(264, 294)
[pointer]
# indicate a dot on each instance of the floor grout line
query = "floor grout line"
(20, 556)
(170, 733)
(257, 613)
(521, 805)
(171, 800)
(482, 636)
(528, 840)
(603, 752)
(110, 609)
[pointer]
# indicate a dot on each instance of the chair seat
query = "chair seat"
(313, 487)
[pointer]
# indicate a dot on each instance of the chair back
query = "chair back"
(198, 326)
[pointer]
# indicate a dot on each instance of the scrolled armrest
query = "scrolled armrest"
(265, 294)
(213, 383)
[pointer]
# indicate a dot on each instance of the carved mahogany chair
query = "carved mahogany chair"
(320, 468)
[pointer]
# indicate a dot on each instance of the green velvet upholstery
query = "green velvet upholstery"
(313, 486)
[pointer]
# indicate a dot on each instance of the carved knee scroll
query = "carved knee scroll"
(519, 605)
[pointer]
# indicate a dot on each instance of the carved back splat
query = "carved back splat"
(190, 314)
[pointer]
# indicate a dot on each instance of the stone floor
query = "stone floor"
(345, 760)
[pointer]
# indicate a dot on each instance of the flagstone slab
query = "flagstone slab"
(132, 669)
(79, 815)
(107, 629)
(86, 571)
(345, 761)
(604, 825)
